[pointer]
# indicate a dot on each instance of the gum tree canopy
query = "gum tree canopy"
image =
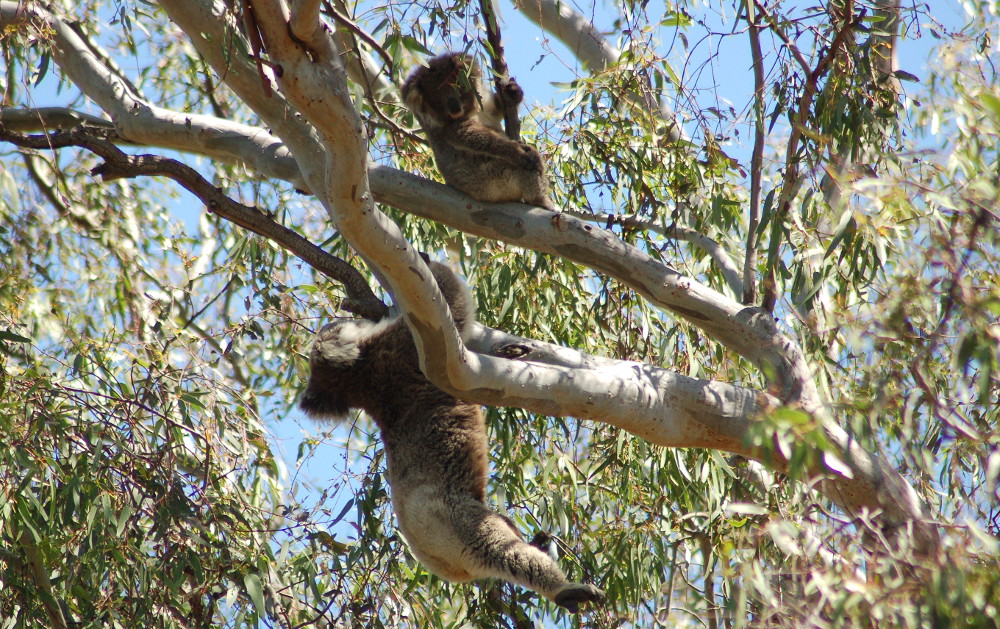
(748, 375)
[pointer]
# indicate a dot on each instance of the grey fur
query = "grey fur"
(462, 123)
(436, 450)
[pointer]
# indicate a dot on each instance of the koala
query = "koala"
(435, 447)
(462, 122)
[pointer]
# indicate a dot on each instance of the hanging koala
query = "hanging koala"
(462, 123)
(436, 450)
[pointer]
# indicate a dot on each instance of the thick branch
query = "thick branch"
(208, 30)
(27, 120)
(139, 121)
(884, 42)
(744, 330)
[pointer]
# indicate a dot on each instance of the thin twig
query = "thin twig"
(790, 182)
(346, 33)
(352, 26)
(780, 32)
(756, 160)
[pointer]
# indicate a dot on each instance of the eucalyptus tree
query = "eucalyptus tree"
(747, 374)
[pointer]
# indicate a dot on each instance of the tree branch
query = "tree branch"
(791, 181)
(139, 121)
(756, 160)
(39, 575)
(883, 45)
(25, 120)
(361, 68)
(744, 330)
(720, 257)
(361, 300)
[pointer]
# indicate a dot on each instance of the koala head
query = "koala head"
(335, 364)
(445, 90)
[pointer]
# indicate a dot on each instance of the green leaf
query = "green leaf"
(7, 335)
(847, 226)
(43, 68)
(992, 102)
(256, 591)
(123, 517)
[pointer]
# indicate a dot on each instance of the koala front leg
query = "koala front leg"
(493, 548)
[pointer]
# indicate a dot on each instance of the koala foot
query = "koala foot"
(573, 594)
(531, 159)
(542, 541)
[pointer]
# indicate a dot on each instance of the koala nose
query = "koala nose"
(454, 106)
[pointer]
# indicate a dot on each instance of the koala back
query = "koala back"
(486, 165)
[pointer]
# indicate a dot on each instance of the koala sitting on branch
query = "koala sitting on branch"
(462, 122)
(435, 445)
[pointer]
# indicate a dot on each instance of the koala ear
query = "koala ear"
(337, 345)
(412, 97)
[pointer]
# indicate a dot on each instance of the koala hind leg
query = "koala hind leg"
(494, 548)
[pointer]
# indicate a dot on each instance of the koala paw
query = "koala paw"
(573, 594)
(530, 158)
(512, 92)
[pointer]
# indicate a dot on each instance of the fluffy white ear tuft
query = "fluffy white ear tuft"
(337, 344)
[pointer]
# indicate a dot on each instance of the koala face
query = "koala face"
(337, 361)
(457, 80)
(445, 90)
